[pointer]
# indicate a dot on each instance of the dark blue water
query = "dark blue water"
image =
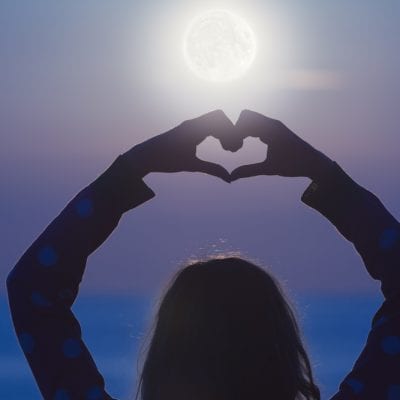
(335, 329)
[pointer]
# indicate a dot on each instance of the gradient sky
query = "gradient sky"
(82, 81)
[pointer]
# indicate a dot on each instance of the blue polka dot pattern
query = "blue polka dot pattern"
(355, 385)
(61, 394)
(389, 238)
(39, 301)
(27, 342)
(94, 393)
(47, 256)
(72, 348)
(393, 392)
(84, 208)
(51, 273)
(391, 345)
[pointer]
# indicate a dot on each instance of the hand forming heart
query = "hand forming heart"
(175, 150)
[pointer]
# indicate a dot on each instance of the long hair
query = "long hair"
(224, 331)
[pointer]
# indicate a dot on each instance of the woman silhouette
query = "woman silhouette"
(223, 330)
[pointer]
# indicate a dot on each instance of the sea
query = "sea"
(334, 326)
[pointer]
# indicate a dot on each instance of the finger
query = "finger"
(254, 124)
(203, 126)
(212, 169)
(217, 124)
(246, 171)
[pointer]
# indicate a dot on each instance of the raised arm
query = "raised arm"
(362, 219)
(44, 284)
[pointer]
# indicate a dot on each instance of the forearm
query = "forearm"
(362, 219)
(84, 224)
(44, 283)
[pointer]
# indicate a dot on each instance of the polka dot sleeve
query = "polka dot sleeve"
(44, 284)
(362, 219)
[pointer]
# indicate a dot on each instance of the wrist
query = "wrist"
(320, 167)
(134, 161)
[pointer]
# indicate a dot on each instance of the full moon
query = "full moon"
(219, 46)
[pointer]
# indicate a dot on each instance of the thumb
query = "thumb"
(246, 171)
(212, 169)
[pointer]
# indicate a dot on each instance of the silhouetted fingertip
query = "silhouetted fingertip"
(213, 169)
(235, 175)
(223, 177)
(226, 176)
(249, 118)
(232, 144)
(247, 171)
(219, 114)
(230, 147)
(212, 117)
(244, 114)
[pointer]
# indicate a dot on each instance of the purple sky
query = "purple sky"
(82, 81)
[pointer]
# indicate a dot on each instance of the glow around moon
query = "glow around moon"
(219, 46)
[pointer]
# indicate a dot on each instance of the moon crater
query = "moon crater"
(219, 46)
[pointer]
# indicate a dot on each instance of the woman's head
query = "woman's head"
(224, 331)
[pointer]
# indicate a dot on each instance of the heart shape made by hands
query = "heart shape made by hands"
(253, 151)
